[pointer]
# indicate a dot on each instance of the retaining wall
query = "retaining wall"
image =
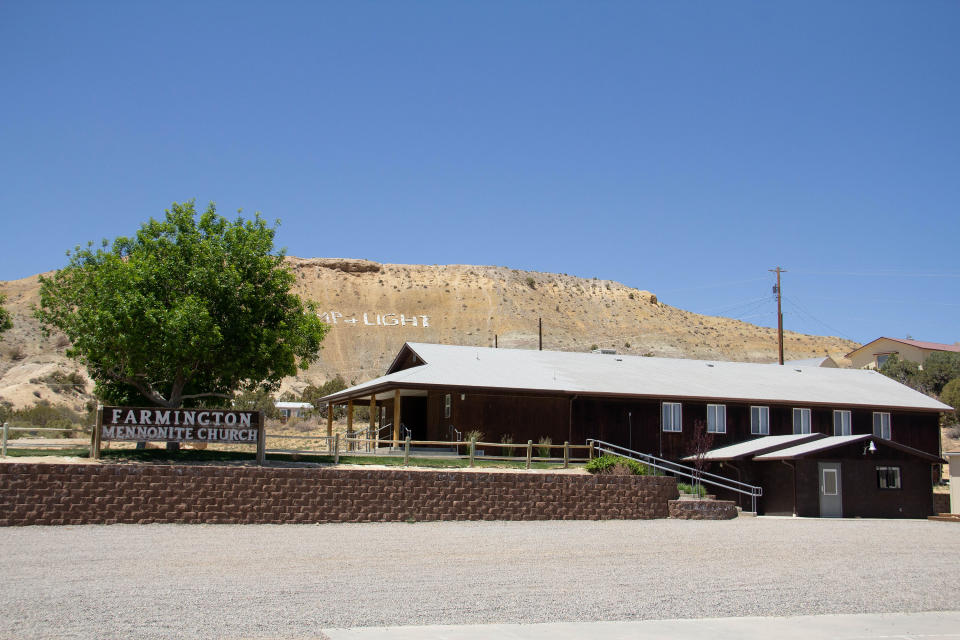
(51, 494)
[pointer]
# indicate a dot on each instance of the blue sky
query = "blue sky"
(680, 147)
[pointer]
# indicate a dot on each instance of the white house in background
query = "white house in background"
(293, 409)
(826, 361)
(873, 354)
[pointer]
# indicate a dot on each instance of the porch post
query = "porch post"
(396, 418)
(373, 416)
(349, 423)
(329, 423)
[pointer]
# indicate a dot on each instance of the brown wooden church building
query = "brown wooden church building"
(648, 405)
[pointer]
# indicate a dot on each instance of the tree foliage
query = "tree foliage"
(189, 308)
(313, 393)
(5, 321)
(951, 396)
(938, 369)
(903, 371)
(259, 399)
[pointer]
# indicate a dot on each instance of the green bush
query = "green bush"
(951, 396)
(507, 441)
(615, 465)
(544, 449)
(685, 487)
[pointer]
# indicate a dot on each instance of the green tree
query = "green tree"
(903, 371)
(5, 321)
(259, 399)
(951, 396)
(313, 393)
(939, 369)
(191, 308)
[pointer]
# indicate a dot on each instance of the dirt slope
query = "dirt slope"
(374, 308)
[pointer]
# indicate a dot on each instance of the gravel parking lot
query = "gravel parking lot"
(295, 580)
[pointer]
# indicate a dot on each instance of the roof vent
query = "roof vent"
(709, 364)
(799, 370)
(619, 359)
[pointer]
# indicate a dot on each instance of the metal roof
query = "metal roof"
(293, 405)
(448, 366)
(822, 444)
(758, 446)
(831, 442)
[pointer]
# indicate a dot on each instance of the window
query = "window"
(671, 416)
(760, 421)
(881, 424)
(801, 420)
(446, 406)
(888, 477)
(842, 425)
(716, 418)
(882, 359)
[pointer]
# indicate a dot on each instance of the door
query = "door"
(831, 492)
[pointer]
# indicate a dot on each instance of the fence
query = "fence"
(472, 450)
(338, 447)
(5, 441)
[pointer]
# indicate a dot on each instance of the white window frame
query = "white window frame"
(883, 429)
(846, 426)
(447, 402)
(675, 422)
(762, 425)
(881, 478)
(719, 422)
(798, 429)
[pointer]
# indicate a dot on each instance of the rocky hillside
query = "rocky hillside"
(374, 308)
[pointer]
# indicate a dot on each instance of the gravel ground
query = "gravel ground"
(160, 581)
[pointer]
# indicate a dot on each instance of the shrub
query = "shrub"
(506, 440)
(544, 449)
(686, 487)
(474, 434)
(938, 370)
(531, 282)
(630, 295)
(951, 396)
(615, 465)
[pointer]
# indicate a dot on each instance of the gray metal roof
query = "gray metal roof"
(759, 445)
(623, 375)
(812, 447)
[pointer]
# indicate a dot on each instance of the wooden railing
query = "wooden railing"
(472, 450)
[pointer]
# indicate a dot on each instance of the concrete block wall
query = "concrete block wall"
(56, 494)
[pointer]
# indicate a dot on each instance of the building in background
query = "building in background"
(873, 354)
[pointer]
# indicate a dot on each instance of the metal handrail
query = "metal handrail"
(678, 469)
(405, 431)
(453, 431)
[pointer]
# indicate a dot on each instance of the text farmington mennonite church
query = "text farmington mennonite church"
(180, 425)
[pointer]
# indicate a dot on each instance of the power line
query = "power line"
(810, 316)
(878, 274)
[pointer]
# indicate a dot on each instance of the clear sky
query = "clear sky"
(680, 147)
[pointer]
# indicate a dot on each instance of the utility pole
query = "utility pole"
(777, 290)
(540, 322)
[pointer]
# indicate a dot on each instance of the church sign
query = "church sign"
(156, 424)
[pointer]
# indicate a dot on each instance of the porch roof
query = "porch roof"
(831, 442)
(763, 444)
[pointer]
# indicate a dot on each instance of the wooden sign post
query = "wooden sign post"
(261, 441)
(96, 435)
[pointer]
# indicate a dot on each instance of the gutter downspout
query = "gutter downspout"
(794, 469)
(570, 418)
